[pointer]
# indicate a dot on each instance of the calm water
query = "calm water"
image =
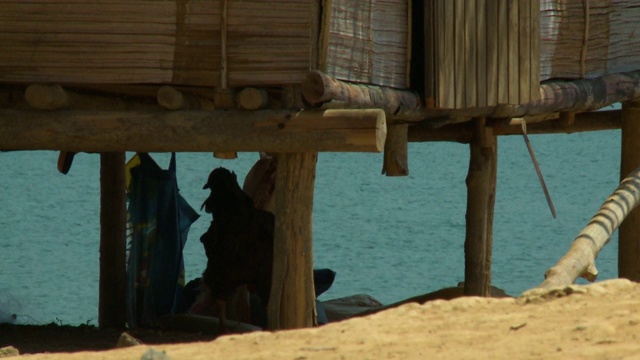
(391, 238)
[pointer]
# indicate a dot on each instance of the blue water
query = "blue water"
(388, 237)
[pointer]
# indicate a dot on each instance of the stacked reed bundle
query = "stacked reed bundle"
(219, 43)
(78, 42)
(588, 38)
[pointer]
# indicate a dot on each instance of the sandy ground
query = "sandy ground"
(599, 321)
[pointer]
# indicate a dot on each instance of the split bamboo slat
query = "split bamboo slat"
(481, 53)
(587, 39)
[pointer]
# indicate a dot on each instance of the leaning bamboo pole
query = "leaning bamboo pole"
(580, 259)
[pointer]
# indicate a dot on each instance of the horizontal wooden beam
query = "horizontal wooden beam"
(404, 106)
(194, 131)
(463, 133)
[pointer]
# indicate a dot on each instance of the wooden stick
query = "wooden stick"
(579, 261)
(537, 168)
(201, 131)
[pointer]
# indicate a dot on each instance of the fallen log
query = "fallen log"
(579, 261)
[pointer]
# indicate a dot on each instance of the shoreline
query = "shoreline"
(593, 321)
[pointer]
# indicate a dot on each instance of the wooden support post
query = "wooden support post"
(113, 218)
(629, 233)
(396, 161)
(292, 302)
(481, 188)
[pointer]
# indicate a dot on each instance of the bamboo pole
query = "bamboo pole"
(481, 187)
(292, 301)
(111, 313)
(629, 235)
(198, 131)
(579, 261)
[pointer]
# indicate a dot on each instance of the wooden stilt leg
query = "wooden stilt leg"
(480, 181)
(111, 313)
(292, 301)
(396, 161)
(629, 232)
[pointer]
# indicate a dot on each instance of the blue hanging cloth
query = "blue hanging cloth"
(159, 220)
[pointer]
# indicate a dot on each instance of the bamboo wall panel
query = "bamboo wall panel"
(366, 41)
(587, 39)
(481, 53)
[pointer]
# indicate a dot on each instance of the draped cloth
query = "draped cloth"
(159, 222)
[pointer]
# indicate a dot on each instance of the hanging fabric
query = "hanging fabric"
(159, 220)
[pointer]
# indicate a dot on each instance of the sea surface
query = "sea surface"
(389, 237)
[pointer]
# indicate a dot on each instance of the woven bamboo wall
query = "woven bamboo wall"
(586, 39)
(366, 41)
(481, 53)
(221, 43)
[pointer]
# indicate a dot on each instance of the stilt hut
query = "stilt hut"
(296, 78)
